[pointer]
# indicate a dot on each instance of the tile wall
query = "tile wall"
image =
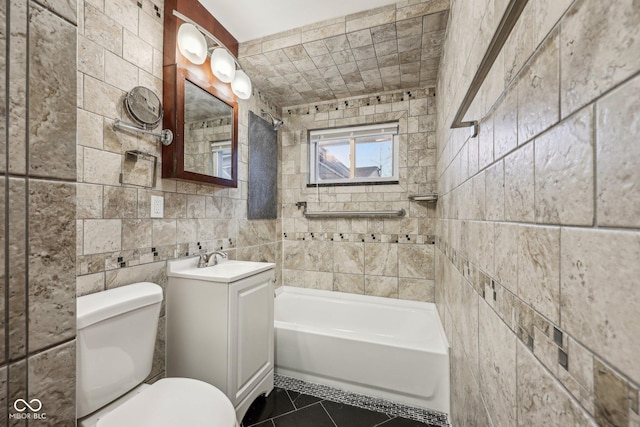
(37, 209)
(538, 231)
(120, 47)
(393, 47)
(538, 228)
(383, 257)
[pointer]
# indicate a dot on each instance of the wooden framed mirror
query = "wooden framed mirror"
(200, 110)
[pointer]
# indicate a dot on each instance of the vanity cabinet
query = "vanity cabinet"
(220, 328)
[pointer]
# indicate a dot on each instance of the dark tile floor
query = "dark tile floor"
(285, 408)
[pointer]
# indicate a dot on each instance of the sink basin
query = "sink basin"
(226, 271)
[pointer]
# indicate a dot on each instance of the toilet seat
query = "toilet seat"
(174, 402)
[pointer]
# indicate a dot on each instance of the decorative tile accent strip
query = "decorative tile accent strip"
(357, 102)
(152, 9)
(563, 359)
(419, 239)
(210, 123)
(557, 336)
(361, 401)
(614, 395)
(88, 264)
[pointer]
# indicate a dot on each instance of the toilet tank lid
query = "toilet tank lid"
(100, 306)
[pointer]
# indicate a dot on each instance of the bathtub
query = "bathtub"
(381, 347)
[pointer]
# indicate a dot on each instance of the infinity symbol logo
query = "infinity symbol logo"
(26, 404)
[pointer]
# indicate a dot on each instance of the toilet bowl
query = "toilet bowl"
(169, 402)
(115, 345)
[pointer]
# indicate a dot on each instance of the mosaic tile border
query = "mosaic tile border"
(419, 239)
(97, 263)
(524, 320)
(360, 101)
(435, 418)
(214, 123)
(151, 9)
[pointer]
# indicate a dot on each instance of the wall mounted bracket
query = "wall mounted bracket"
(424, 198)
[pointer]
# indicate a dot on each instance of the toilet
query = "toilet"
(115, 344)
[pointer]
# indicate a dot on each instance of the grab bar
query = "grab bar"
(508, 21)
(354, 214)
(165, 135)
(350, 214)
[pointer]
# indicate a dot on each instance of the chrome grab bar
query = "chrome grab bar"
(508, 21)
(165, 135)
(356, 214)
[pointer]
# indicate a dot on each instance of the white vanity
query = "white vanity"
(220, 326)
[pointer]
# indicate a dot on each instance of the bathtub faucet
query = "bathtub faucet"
(205, 258)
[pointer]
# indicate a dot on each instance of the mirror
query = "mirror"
(201, 110)
(206, 128)
(144, 107)
(208, 133)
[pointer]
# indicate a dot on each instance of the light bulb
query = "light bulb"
(192, 44)
(222, 65)
(241, 85)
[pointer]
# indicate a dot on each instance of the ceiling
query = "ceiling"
(392, 47)
(252, 19)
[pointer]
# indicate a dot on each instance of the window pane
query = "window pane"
(333, 160)
(354, 155)
(221, 159)
(374, 157)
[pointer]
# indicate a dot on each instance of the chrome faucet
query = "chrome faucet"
(205, 258)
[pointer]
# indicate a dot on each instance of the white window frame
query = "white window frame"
(217, 159)
(352, 132)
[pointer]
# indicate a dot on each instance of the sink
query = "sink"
(226, 271)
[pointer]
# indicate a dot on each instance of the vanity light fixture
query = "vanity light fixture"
(192, 43)
(241, 85)
(223, 63)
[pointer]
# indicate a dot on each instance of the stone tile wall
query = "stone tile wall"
(389, 48)
(37, 209)
(383, 257)
(538, 243)
(120, 45)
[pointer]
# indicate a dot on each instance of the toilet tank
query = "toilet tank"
(115, 342)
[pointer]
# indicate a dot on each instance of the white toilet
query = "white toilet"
(116, 338)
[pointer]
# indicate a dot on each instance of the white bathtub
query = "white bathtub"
(387, 348)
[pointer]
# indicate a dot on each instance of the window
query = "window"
(354, 155)
(221, 159)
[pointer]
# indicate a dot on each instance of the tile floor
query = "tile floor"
(287, 408)
(374, 404)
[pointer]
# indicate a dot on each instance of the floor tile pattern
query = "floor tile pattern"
(298, 403)
(287, 408)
